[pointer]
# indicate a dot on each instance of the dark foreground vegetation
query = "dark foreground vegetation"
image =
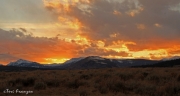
(94, 82)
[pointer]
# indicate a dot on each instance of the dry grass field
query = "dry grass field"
(94, 82)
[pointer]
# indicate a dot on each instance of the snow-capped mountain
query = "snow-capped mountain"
(18, 62)
(25, 63)
(66, 64)
(99, 62)
(171, 58)
(73, 60)
(93, 62)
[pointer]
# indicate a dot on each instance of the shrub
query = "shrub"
(40, 86)
(83, 93)
(19, 87)
(98, 80)
(145, 74)
(28, 82)
(25, 82)
(2, 77)
(80, 72)
(52, 83)
(116, 87)
(75, 84)
(96, 85)
(106, 76)
(4, 86)
(146, 90)
(12, 83)
(173, 90)
(103, 89)
(178, 78)
(110, 70)
(125, 76)
(154, 78)
(86, 77)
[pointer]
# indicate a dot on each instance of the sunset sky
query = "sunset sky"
(53, 31)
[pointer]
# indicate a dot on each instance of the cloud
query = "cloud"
(98, 19)
(92, 51)
(23, 29)
(24, 11)
(16, 44)
(124, 28)
(27, 46)
(4, 58)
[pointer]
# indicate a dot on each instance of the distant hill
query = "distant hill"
(134, 62)
(170, 63)
(171, 58)
(15, 68)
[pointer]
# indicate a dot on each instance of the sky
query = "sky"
(53, 31)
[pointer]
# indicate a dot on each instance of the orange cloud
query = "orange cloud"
(36, 48)
(97, 29)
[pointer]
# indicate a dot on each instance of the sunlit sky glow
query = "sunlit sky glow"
(53, 31)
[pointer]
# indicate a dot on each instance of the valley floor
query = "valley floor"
(93, 82)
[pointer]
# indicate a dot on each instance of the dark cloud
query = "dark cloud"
(4, 58)
(92, 51)
(99, 22)
(23, 29)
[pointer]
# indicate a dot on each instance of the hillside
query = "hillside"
(170, 63)
(16, 69)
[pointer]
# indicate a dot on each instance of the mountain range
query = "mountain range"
(25, 63)
(95, 62)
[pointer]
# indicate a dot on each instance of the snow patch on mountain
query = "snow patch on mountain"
(95, 58)
(19, 62)
(73, 60)
(130, 61)
(25, 63)
(120, 61)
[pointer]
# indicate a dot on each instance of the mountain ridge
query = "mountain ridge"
(25, 63)
(89, 62)
(171, 58)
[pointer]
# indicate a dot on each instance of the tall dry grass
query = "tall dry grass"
(95, 82)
